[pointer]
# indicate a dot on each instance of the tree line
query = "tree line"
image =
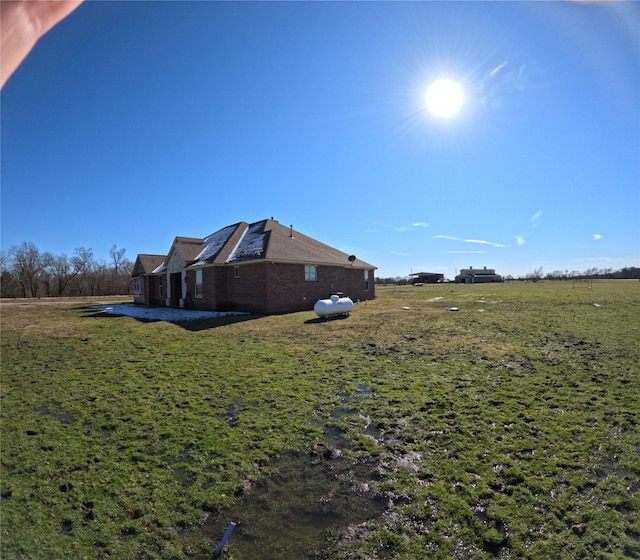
(26, 272)
(628, 273)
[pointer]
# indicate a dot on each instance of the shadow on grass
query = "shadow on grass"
(193, 325)
(204, 324)
(100, 314)
(320, 320)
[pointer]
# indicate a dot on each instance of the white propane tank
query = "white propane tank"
(335, 305)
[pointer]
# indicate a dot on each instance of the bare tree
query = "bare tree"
(8, 283)
(82, 259)
(46, 274)
(84, 262)
(121, 271)
(28, 267)
(63, 270)
(535, 275)
(98, 279)
(117, 257)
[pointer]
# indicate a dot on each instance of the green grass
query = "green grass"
(507, 429)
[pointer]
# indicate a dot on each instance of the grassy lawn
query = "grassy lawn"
(506, 429)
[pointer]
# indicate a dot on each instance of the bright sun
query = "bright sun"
(444, 98)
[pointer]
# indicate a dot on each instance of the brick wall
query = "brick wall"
(248, 290)
(289, 291)
(267, 287)
(209, 299)
(152, 290)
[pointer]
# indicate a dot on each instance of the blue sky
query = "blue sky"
(133, 122)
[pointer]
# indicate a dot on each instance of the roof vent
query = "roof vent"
(291, 231)
(352, 258)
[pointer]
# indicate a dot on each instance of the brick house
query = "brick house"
(263, 267)
(147, 284)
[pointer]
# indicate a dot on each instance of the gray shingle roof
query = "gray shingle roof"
(271, 241)
(187, 247)
(148, 263)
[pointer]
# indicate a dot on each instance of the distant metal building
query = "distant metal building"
(426, 277)
(477, 275)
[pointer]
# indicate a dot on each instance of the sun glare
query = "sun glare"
(444, 98)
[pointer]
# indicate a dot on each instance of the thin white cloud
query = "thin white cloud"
(413, 225)
(533, 220)
(446, 237)
(494, 73)
(533, 223)
(596, 236)
(482, 242)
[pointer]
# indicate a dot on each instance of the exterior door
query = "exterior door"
(176, 289)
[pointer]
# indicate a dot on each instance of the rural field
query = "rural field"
(506, 429)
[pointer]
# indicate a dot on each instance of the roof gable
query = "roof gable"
(187, 248)
(147, 264)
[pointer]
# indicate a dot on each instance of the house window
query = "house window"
(160, 287)
(366, 280)
(137, 286)
(198, 287)
(236, 272)
(310, 273)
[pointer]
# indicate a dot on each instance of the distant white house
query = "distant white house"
(477, 275)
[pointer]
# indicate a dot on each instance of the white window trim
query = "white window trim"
(197, 289)
(138, 286)
(310, 273)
